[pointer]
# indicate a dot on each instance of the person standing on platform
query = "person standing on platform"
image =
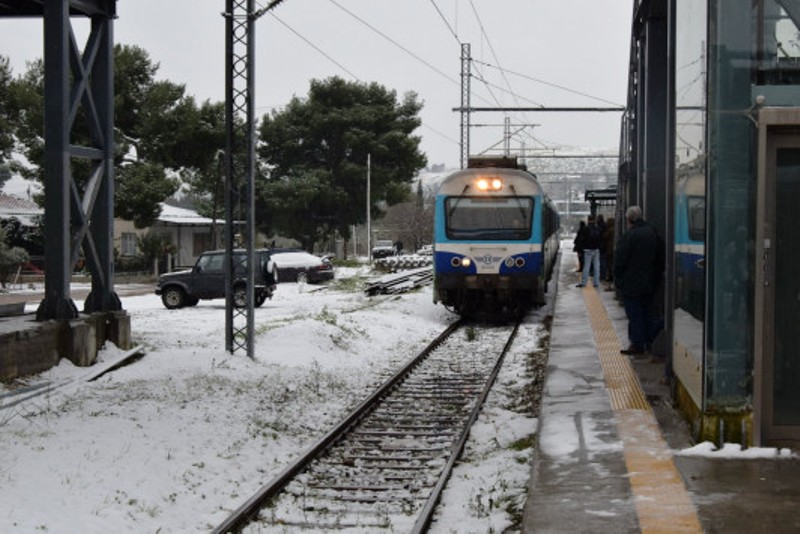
(636, 272)
(601, 224)
(608, 248)
(578, 243)
(591, 253)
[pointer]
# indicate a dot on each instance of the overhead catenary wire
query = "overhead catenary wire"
(446, 23)
(394, 42)
(491, 47)
(262, 10)
(489, 86)
(346, 70)
(315, 47)
(549, 84)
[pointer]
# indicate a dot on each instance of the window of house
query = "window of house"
(128, 244)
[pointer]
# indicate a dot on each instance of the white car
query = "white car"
(300, 266)
(383, 248)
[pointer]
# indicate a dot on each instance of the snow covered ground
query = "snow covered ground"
(177, 440)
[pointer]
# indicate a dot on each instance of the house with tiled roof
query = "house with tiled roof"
(27, 212)
(189, 233)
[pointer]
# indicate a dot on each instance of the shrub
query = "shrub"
(11, 259)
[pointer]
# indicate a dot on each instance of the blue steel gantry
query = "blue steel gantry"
(77, 217)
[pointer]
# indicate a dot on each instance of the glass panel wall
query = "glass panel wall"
(691, 156)
(754, 49)
(731, 202)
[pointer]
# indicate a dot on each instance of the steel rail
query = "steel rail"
(426, 516)
(248, 511)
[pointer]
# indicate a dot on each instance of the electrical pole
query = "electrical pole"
(465, 103)
(369, 209)
(240, 165)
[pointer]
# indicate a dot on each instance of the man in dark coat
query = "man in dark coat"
(579, 241)
(636, 272)
(592, 242)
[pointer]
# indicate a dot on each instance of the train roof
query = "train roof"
(692, 185)
(523, 181)
(504, 162)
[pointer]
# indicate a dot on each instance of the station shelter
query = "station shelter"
(710, 148)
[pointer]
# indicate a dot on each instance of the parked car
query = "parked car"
(300, 266)
(383, 248)
(206, 280)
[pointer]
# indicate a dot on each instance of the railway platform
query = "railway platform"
(612, 454)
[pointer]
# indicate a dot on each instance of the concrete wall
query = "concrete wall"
(30, 347)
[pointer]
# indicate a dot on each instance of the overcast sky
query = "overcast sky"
(526, 52)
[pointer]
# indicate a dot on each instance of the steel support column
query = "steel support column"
(78, 218)
(240, 170)
(465, 102)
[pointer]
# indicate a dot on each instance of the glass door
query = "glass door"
(781, 268)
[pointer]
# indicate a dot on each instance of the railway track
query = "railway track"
(386, 465)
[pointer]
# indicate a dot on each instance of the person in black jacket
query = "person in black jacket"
(636, 273)
(580, 239)
(592, 241)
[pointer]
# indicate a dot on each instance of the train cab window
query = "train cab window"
(481, 218)
(696, 206)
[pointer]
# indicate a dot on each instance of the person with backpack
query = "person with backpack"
(591, 253)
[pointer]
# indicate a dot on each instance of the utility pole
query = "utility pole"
(507, 137)
(240, 159)
(369, 209)
(465, 103)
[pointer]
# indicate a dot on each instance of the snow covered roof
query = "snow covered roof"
(26, 211)
(183, 216)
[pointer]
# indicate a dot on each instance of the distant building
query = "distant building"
(25, 211)
(188, 232)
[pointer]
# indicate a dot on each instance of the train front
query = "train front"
(487, 252)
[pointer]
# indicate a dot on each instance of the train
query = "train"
(690, 229)
(495, 239)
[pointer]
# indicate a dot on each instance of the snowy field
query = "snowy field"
(177, 440)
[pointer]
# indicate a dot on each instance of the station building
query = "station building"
(710, 148)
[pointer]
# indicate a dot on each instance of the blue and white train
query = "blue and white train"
(495, 239)
(690, 229)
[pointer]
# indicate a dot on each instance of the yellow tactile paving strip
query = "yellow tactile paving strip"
(662, 502)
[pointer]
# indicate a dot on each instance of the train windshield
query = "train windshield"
(696, 206)
(495, 218)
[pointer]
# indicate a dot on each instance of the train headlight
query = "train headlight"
(489, 184)
(460, 262)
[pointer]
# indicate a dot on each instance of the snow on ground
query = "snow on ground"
(734, 451)
(177, 440)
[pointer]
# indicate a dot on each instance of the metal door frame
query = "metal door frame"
(777, 127)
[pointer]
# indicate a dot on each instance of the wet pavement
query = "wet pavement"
(580, 481)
